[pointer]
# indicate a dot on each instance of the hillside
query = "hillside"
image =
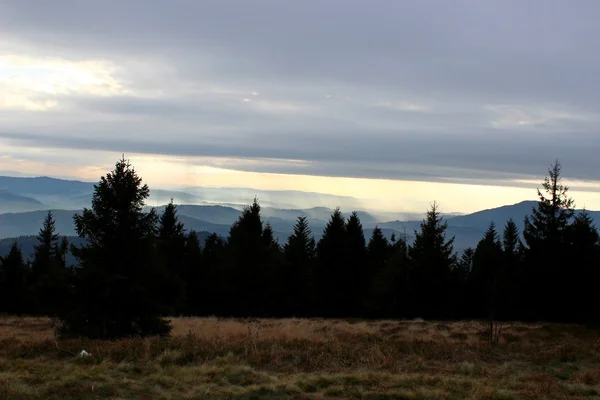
(11, 202)
(27, 243)
(24, 201)
(467, 229)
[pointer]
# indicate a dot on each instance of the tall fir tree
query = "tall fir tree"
(511, 243)
(246, 264)
(545, 235)
(119, 277)
(50, 278)
(353, 281)
(581, 279)
(460, 276)
(483, 280)
(331, 259)
(390, 293)
(299, 253)
(379, 252)
(194, 275)
(513, 280)
(171, 253)
(14, 288)
(466, 260)
(273, 274)
(44, 255)
(433, 258)
(216, 283)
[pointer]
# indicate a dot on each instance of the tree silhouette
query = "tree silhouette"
(378, 251)
(299, 278)
(14, 282)
(353, 281)
(483, 281)
(215, 280)
(50, 279)
(581, 278)
(433, 259)
(247, 263)
(331, 259)
(195, 275)
(119, 277)
(171, 252)
(134, 266)
(512, 280)
(545, 235)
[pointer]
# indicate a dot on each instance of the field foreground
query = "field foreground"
(304, 359)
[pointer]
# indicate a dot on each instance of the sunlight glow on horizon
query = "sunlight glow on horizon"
(373, 194)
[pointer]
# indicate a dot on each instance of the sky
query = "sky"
(397, 103)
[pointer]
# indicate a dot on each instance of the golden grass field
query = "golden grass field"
(210, 358)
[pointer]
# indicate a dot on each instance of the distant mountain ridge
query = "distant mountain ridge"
(25, 201)
(467, 229)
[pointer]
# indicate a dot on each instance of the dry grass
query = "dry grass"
(304, 359)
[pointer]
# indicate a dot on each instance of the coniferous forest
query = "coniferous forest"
(137, 268)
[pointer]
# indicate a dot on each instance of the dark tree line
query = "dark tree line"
(136, 268)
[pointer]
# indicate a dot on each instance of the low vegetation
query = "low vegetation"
(303, 359)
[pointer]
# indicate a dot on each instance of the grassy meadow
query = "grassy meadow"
(210, 358)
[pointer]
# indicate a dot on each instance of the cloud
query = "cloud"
(429, 90)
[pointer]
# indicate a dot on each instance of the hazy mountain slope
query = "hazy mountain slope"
(190, 223)
(287, 199)
(499, 215)
(29, 223)
(68, 196)
(480, 220)
(27, 243)
(11, 202)
(214, 214)
(44, 186)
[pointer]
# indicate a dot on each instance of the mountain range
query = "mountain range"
(25, 201)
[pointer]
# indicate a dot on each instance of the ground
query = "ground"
(304, 359)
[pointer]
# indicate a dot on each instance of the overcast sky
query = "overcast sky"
(463, 91)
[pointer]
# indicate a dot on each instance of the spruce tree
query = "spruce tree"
(466, 260)
(216, 281)
(15, 276)
(484, 277)
(332, 263)
(460, 275)
(171, 253)
(119, 278)
(580, 280)
(50, 278)
(44, 256)
(549, 220)
(512, 283)
(354, 280)
(246, 264)
(433, 258)
(194, 275)
(510, 238)
(299, 277)
(391, 294)
(273, 275)
(379, 252)
(545, 234)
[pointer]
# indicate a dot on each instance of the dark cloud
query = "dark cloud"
(427, 90)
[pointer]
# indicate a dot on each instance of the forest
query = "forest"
(137, 268)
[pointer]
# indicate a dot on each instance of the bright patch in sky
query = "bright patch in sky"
(464, 102)
(36, 83)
